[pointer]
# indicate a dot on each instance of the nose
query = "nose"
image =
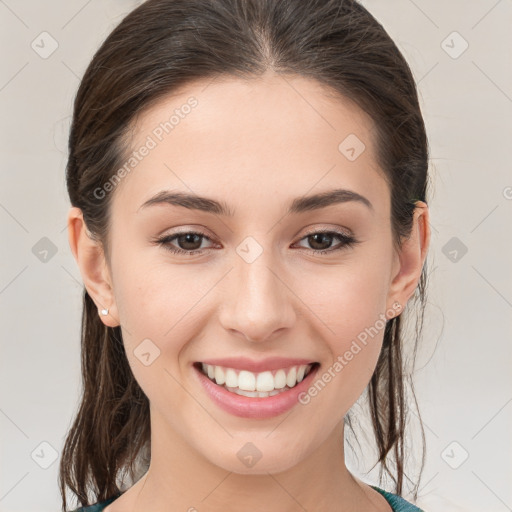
(256, 301)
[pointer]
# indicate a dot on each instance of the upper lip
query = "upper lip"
(244, 363)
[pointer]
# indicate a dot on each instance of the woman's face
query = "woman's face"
(255, 283)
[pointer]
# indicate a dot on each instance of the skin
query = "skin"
(255, 145)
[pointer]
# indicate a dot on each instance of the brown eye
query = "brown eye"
(188, 242)
(321, 241)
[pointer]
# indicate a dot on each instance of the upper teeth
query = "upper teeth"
(249, 381)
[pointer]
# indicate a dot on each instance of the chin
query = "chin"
(257, 457)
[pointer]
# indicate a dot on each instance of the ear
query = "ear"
(91, 260)
(408, 263)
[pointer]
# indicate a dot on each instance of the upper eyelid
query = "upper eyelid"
(340, 233)
(203, 232)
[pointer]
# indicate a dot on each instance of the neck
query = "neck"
(181, 476)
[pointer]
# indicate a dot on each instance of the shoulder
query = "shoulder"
(398, 504)
(97, 507)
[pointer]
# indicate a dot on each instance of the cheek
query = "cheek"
(346, 299)
(160, 302)
(350, 305)
(158, 318)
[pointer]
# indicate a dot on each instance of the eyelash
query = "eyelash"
(347, 241)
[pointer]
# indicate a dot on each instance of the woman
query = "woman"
(249, 216)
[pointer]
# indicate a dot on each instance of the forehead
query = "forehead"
(267, 137)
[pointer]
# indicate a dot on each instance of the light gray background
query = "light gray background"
(464, 366)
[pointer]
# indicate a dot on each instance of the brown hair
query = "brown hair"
(161, 46)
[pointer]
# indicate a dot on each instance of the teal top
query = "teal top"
(397, 503)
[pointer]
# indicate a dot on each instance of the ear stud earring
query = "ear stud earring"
(104, 312)
(392, 312)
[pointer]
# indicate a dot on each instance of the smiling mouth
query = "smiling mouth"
(256, 384)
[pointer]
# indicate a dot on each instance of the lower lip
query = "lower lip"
(254, 407)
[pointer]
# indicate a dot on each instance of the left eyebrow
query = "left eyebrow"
(298, 205)
(328, 198)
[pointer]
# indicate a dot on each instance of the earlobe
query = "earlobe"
(91, 261)
(411, 257)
